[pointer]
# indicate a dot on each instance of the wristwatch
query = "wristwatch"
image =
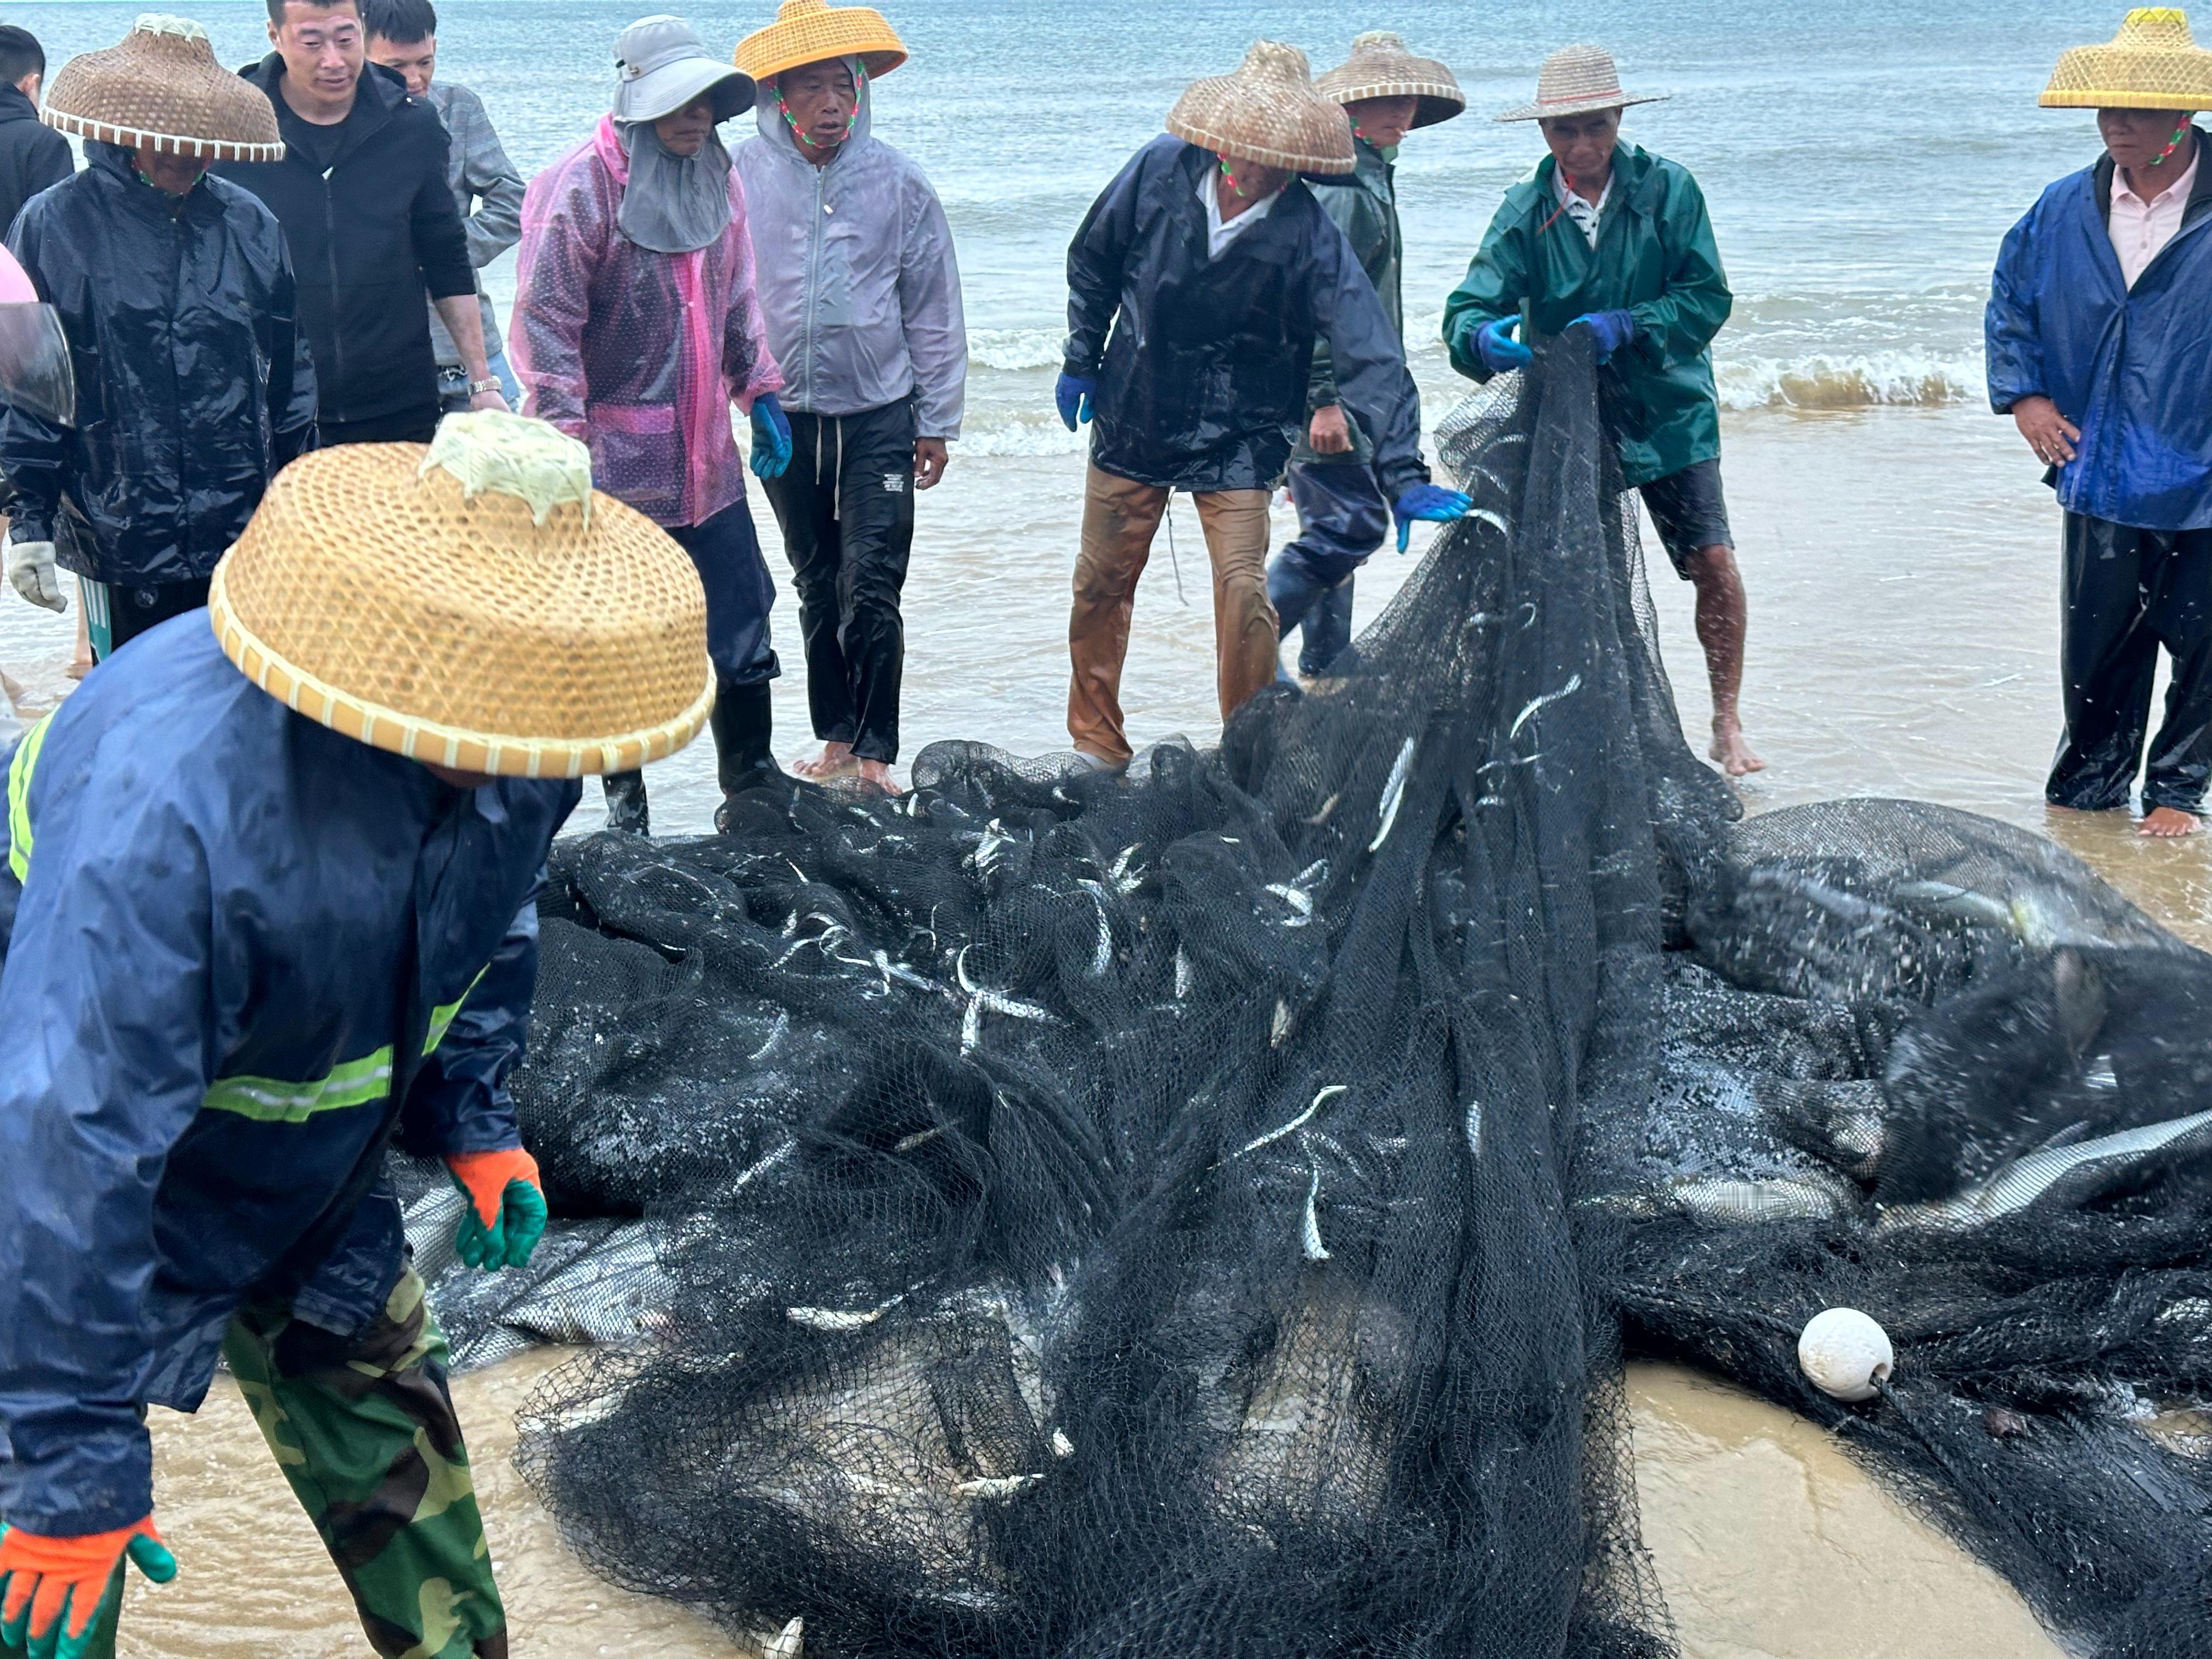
(489, 383)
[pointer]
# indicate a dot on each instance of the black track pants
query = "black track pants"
(2128, 592)
(846, 505)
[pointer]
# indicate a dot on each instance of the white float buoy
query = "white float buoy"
(1846, 1355)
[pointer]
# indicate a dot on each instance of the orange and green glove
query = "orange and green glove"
(506, 1207)
(52, 1590)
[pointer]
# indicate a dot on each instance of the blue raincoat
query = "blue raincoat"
(2131, 368)
(210, 909)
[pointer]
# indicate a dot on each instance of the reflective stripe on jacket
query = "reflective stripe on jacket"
(2130, 367)
(210, 906)
(857, 281)
(1655, 258)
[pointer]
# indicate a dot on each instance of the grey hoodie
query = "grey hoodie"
(856, 275)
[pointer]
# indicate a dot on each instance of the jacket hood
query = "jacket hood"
(783, 140)
(16, 106)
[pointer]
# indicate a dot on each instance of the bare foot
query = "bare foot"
(2169, 823)
(877, 775)
(835, 761)
(1734, 753)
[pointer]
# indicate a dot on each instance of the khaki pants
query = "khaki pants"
(1119, 519)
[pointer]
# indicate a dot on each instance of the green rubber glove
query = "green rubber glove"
(506, 1216)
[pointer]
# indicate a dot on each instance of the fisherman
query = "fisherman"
(1222, 270)
(32, 157)
(636, 327)
(361, 193)
(862, 296)
(2099, 350)
(1343, 515)
(193, 383)
(1608, 236)
(402, 37)
(245, 941)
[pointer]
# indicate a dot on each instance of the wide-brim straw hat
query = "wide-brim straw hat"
(661, 66)
(162, 87)
(1579, 79)
(2152, 62)
(1267, 112)
(813, 32)
(474, 604)
(1381, 67)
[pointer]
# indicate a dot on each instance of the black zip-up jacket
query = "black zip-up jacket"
(193, 381)
(367, 240)
(1202, 378)
(33, 156)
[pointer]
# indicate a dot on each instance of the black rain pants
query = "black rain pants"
(2127, 592)
(846, 505)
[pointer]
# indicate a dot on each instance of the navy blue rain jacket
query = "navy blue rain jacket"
(1203, 382)
(209, 910)
(2132, 368)
(193, 382)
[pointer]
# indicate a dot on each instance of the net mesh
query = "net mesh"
(1205, 1211)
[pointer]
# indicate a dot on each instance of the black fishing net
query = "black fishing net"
(1202, 1211)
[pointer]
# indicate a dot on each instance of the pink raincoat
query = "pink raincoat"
(639, 353)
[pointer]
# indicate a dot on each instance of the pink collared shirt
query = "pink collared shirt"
(2140, 229)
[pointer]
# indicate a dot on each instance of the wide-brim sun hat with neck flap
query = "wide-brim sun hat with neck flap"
(162, 87)
(2152, 62)
(474, 604)
(813, 32)
(1269, 112)
(1381, 67)
(661, 66)
(1577, 80)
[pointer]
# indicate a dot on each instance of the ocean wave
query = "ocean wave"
(1896, 379)
(1015, 348)
(1046, 436)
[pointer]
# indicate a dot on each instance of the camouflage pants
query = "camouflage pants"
(365, 1431)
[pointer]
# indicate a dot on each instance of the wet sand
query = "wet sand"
(1902, 567)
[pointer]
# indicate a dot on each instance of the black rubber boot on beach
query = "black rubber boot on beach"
(744, 730)
(626, 804)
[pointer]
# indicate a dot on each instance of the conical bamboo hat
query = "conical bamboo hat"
(1381, 67)
(813, 31)
(1267, 112)
(162, 86)
(2151, 64)
(475, 604)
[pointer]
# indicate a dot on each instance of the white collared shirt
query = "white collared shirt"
(2140, 229)
(1218, 236)
(1584, 214)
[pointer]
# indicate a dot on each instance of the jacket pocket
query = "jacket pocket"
(635, 455)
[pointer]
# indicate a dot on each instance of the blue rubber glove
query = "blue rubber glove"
(1431, 501)
(771, 437)
(1611, 329)
(1500, 352)
(1072, 394)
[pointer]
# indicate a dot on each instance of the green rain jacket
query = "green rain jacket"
(1363, 205)
(1655, 258)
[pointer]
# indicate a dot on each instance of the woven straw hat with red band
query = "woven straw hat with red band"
(813, 32)
(162, 87)
(475, 605)
(1267, 112)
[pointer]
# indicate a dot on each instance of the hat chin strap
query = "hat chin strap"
(2172, 143)
(859, 85)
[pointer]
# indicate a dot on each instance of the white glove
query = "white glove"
(30, 567)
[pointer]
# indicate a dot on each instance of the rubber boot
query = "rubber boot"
(744, 731)
(1292, 591)
(626, 804)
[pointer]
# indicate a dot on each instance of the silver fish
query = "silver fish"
(1182, 976)
(1296, 1123)
(1542, 703)
(1281, 1027)
(1485, 516)
(1737, 1202)
(1002, 1486)
(2068, 1174)
(1301, 902)
(1327, 808)
(2023, 918)
(1309, 1235)
(775, 1036)
(1102, 955)
(834, 1319)
(1393, 793)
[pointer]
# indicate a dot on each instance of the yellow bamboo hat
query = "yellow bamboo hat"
(1381, 67)
(813, 31)
(2151, 64)
(162, 86)
(1267, 112)
(474, 604)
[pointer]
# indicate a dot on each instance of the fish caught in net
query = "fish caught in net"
(1205, 1211)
